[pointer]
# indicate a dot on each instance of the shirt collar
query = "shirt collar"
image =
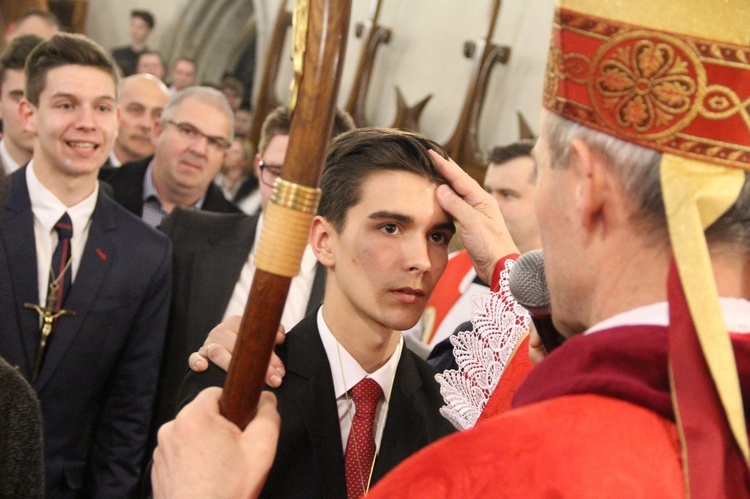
(48, 209)
(149, 189)
(736, 313)
(352, 371)
(113, 160)
(8, 161)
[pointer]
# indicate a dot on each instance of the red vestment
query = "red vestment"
(594, 419)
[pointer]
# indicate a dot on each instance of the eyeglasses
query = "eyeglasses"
(192, 133)
(269, 173)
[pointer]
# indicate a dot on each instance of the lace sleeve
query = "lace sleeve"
(482, 353)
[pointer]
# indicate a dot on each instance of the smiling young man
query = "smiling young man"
(67, 251)
(383, 239)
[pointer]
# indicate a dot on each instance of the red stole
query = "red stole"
(630, 363)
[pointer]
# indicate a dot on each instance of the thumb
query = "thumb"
(452, 203)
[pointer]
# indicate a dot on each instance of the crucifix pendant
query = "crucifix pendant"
(48, 315)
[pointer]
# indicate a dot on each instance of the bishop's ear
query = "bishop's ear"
(322, 240)
(594, 182)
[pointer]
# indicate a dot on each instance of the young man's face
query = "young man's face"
(11, 94)
(385, 262)
(75, 122)
(139, 30)
(512, 184)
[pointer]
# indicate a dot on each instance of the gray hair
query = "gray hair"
(206, 95)
(638, 170)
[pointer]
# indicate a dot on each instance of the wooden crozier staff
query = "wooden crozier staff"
(319, 46)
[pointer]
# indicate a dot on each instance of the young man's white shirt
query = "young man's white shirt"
(47, 211)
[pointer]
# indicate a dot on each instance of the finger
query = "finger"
(536, 349)
(225, 329)
(280, 334)
(224, 337)
(219, 355)
(459, 180)
(264, 428)
(453, 204)
(275, 372)
(198, 362)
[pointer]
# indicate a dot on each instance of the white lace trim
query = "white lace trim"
(482, 353)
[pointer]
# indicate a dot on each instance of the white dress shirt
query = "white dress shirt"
(47, 211)
(9, 163)
(347, 372)
(114, 162)
(736, 312)
(299, 290)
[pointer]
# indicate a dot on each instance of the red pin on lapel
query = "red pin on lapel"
(101, 254)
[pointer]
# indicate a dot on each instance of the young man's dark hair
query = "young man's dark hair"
(147, 17)
(355, 155)
(503, 154)
(279, 122)
(64, 49)
(16, 52)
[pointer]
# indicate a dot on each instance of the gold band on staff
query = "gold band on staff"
(286, 228)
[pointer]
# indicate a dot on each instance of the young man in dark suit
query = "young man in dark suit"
(384, 242)
(70, 253)
(190, 142)
(213, 266)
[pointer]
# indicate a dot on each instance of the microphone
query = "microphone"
(529, 288)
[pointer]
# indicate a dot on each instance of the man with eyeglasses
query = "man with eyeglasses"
(213, 265)
(190, 143)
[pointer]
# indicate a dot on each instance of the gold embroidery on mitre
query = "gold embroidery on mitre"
(646, 85)
(652, 88)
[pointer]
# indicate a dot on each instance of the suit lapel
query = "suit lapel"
(401, 436)
(317, 405)
(20, 247)
(221, 263)
(98, 254)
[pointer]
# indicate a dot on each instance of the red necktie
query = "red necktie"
(360, 448)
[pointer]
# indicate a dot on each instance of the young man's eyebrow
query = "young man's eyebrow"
(391, 215)
(406, 219)
(446, 226)
(65, 95)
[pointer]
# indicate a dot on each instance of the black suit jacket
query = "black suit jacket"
(99, 375)
(127, 188)
(309, 458)
(210, 250)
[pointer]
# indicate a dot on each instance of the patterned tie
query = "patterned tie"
(60, 258)
(360, 448)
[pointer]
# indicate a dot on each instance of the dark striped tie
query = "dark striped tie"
(61, 271)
